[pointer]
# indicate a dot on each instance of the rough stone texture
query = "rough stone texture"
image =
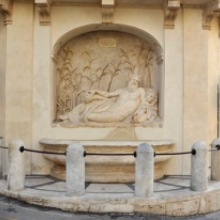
(215, 201)
(199, 165)
(75, 170)
(215, 161)
(147, 207)
(144, 171)
(119, 198)
(182, 208)
(16, 170)
(205, 203)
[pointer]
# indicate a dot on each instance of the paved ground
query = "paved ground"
(11, 209)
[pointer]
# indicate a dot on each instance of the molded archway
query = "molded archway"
(110, 27)
(152, 41)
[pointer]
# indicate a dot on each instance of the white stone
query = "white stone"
(16, 170)
(75, 170)
(108, 169)
(1, 156)
(215, 160)
(144, 170)
(174, 202)
(199, 167)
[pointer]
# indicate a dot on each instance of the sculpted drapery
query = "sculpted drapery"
(131, 104)
(106, 78)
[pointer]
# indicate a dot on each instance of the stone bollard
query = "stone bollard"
(215, 161)
(144, 170)
(75, 170)
(1, 157)
(199, 166)
(16, 167)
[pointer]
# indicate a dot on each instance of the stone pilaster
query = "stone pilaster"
(19, 65)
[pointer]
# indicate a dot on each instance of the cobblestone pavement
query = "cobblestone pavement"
(11, 209)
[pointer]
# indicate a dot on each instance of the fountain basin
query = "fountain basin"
(107, 169)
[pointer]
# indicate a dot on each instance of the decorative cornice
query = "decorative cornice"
(210, 11)
(44, 11)
(170, 12)
(108, 8)
(6, 10)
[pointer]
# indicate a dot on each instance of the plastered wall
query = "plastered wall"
(3, 35)
(188, 85)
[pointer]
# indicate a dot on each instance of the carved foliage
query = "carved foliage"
(66, 85)
(100, 61)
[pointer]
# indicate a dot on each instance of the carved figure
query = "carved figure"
(81, 69)
(149, 111)
(131, 104)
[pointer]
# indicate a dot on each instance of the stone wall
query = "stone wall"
(186, 87)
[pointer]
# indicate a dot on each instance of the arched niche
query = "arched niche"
(105, 58)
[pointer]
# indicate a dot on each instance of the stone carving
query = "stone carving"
(131, 104)
(107, 11)
(170, 10)
(44, 7)
(6, 10)
(209, 12)
(92, 86)
(147, 112)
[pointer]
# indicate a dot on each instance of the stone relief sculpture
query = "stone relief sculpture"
(106, 80)
(131, 104)
(66, 85)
